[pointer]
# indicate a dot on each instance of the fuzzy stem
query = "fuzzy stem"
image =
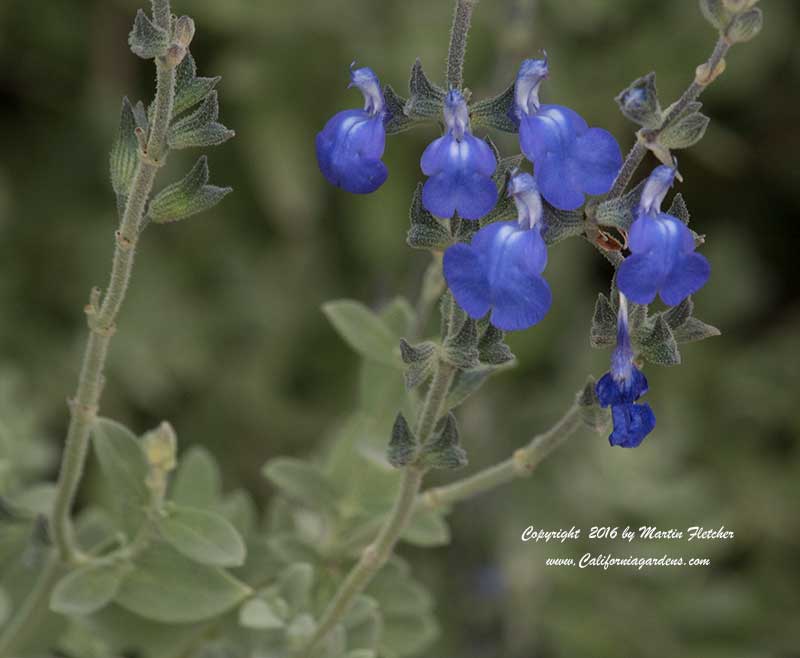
(457, 50)
(101, 321)
(379, 551)
(29, 615)
(522, 463)
(692, 93)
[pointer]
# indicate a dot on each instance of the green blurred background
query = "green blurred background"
(222, 332)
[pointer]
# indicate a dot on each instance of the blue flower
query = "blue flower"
(350, 146)
(621, 387)
(460, 167)
(501, 269)
(570, 159)
(662, 247)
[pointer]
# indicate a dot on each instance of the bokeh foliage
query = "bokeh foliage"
(223, 335)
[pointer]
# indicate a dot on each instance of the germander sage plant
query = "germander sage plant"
(170, 565)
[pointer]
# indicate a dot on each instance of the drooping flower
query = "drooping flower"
(663, 259)
(460, 167)
(570, 159)
(622, 386)
(500, 271)
(350, 146)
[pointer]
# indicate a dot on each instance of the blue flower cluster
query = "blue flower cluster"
(499, 272)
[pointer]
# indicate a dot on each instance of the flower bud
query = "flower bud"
(639, 102)
(175, 55)
(184, 31)
(745, 26)
(160, 449)
(715, 12)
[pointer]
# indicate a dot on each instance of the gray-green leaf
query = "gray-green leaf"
(165, 586)
(124, 152)
(203, 536)
(200, 128)
(301, 481)
(187, 197)
(685, 132)
(363, 330)
(259, 614)
(189, 89)
(87, 590)
(146, 39)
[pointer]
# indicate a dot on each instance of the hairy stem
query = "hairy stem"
(380, 550)
(705, 75)
(34, 607)
(102, 318)
(520, 464)
(462, 18)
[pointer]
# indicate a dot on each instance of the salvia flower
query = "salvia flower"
(662, 260)
(500, 271)
(350, 146)
(570, 159)
(622, 386)
(460, 167)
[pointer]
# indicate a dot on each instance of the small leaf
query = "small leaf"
(187, 197)
(146, 39)
(363, 606)
(402, 445)
(362, 330)
(87, 589)
(426, 98)
(465, 383)
(398, 121)
(259, 614)
(658, 345)
(200, 128)
(461, 350)
(125, 151)
(495, 112)
(677, 315)
(492, 349)
(678, 208)
(684, 132)
(198, 482)
(165, 586)
(604, 323)
(189, 89)
(295, 585)
(620, 212)
(123, 464)
(203, 536)
(426, 231)
(444, 451)
(593, 415)
(693, 330)
(302, 482)
(715, 12)
(559, 225)
(408, 635)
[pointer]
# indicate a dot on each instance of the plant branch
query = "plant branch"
(379, 551)
(457, 50)
(29, 615)
(706, 73)
(102, 317)
(521, 464)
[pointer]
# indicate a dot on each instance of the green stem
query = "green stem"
(380, 550)
(101, 321)
(522, 463)
(457, 50)
(33, 608)
(692, 93)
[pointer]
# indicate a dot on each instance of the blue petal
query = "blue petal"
(465, 272)
(570, 159)
(349, 149)
(460, 177)
(640, 276)
(632, 422)
(515, 258)
(600, 160)
(688, 275)
(612, 392)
